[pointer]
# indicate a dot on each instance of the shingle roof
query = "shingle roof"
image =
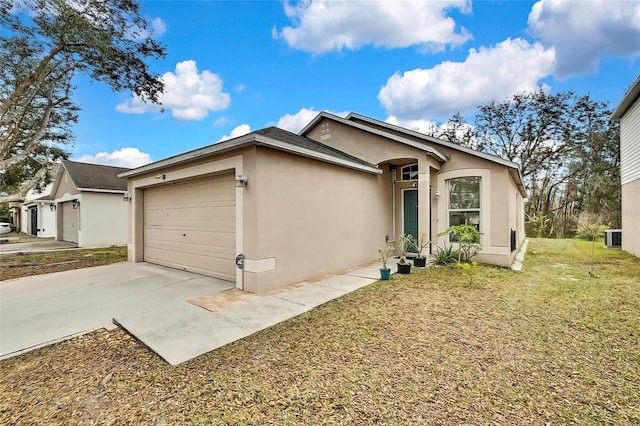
(308, 143)
(96, 176)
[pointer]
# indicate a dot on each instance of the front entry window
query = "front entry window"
(464, 201)
(410, 172)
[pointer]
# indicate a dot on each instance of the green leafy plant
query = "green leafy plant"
(538, 223)
(445, 256)
(469, 270)
(468, 238)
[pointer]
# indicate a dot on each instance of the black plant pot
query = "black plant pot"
(404, 268)
(420, 261)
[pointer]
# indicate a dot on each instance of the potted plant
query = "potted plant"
(420, 244)
(404, 242)
(385, 272)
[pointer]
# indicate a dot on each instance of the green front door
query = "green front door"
(411, 212)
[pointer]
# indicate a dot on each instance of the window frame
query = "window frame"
(409, 166)
(477, 210)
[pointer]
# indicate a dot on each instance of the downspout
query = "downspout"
(393, 202)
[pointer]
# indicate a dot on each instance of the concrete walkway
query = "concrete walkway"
(518, 261)
(177, 314)
(35, 246)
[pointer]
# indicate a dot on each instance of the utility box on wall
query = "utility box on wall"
(613, 238)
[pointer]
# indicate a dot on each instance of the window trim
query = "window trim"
(402, 179)
(478, 209)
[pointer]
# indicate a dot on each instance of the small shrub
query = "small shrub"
(537, 224)
(590, 227)
(468, 238)
(469, 270)
(445, 256)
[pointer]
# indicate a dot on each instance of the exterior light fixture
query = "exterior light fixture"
(436, 195)
(241, 181)
(52, 207)
(126, 196)
(76, 203)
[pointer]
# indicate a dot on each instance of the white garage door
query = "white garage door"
(191, 226)
(69, 222)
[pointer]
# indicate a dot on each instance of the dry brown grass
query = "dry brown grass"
(550, 345)
(27, 264)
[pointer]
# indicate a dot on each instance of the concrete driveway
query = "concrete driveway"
(179, 315)
(40, 310)
(36, 246)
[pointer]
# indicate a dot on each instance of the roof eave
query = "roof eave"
(428, 149)
(309, 153)
(188, 156)
(627, 100)
(240, 142)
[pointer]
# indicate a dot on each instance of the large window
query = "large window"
(464, 201)
(410, 172)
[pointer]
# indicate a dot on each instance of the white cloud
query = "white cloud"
(240, 130)
(220, 121)
(125, 157)
(188, 94)
(159, 27)
(488, 73)
(582, 31)
(320, 26)
(295, 122)
(422, 126)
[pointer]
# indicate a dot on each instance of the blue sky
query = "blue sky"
(236, 66)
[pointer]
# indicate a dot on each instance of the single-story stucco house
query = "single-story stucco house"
(628, 113)
(90, 204)
(300, 206)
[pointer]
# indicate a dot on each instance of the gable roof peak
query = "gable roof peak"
(89, 176)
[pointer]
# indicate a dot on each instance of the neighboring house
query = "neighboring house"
(299, 206)
(90, 204)
(628, 113)
(37, 217)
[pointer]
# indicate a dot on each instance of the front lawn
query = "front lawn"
(27, 264)
(553, 344)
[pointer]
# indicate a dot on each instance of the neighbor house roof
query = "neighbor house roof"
(423, 144)
(630, 96)
(95, 177)
(271, 137)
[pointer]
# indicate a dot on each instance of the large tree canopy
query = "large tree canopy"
(567, 149)
(43, 44)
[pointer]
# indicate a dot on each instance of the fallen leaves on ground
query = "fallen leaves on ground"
(426, 348)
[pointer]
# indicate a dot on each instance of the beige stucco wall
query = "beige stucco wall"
(65, 186)
(239, 161)
(312, 218)
(298, 218)
(631, 217)
(102, 219)
(502, 207)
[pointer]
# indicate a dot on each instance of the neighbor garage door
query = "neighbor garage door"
(191, 226)
(69, 222)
